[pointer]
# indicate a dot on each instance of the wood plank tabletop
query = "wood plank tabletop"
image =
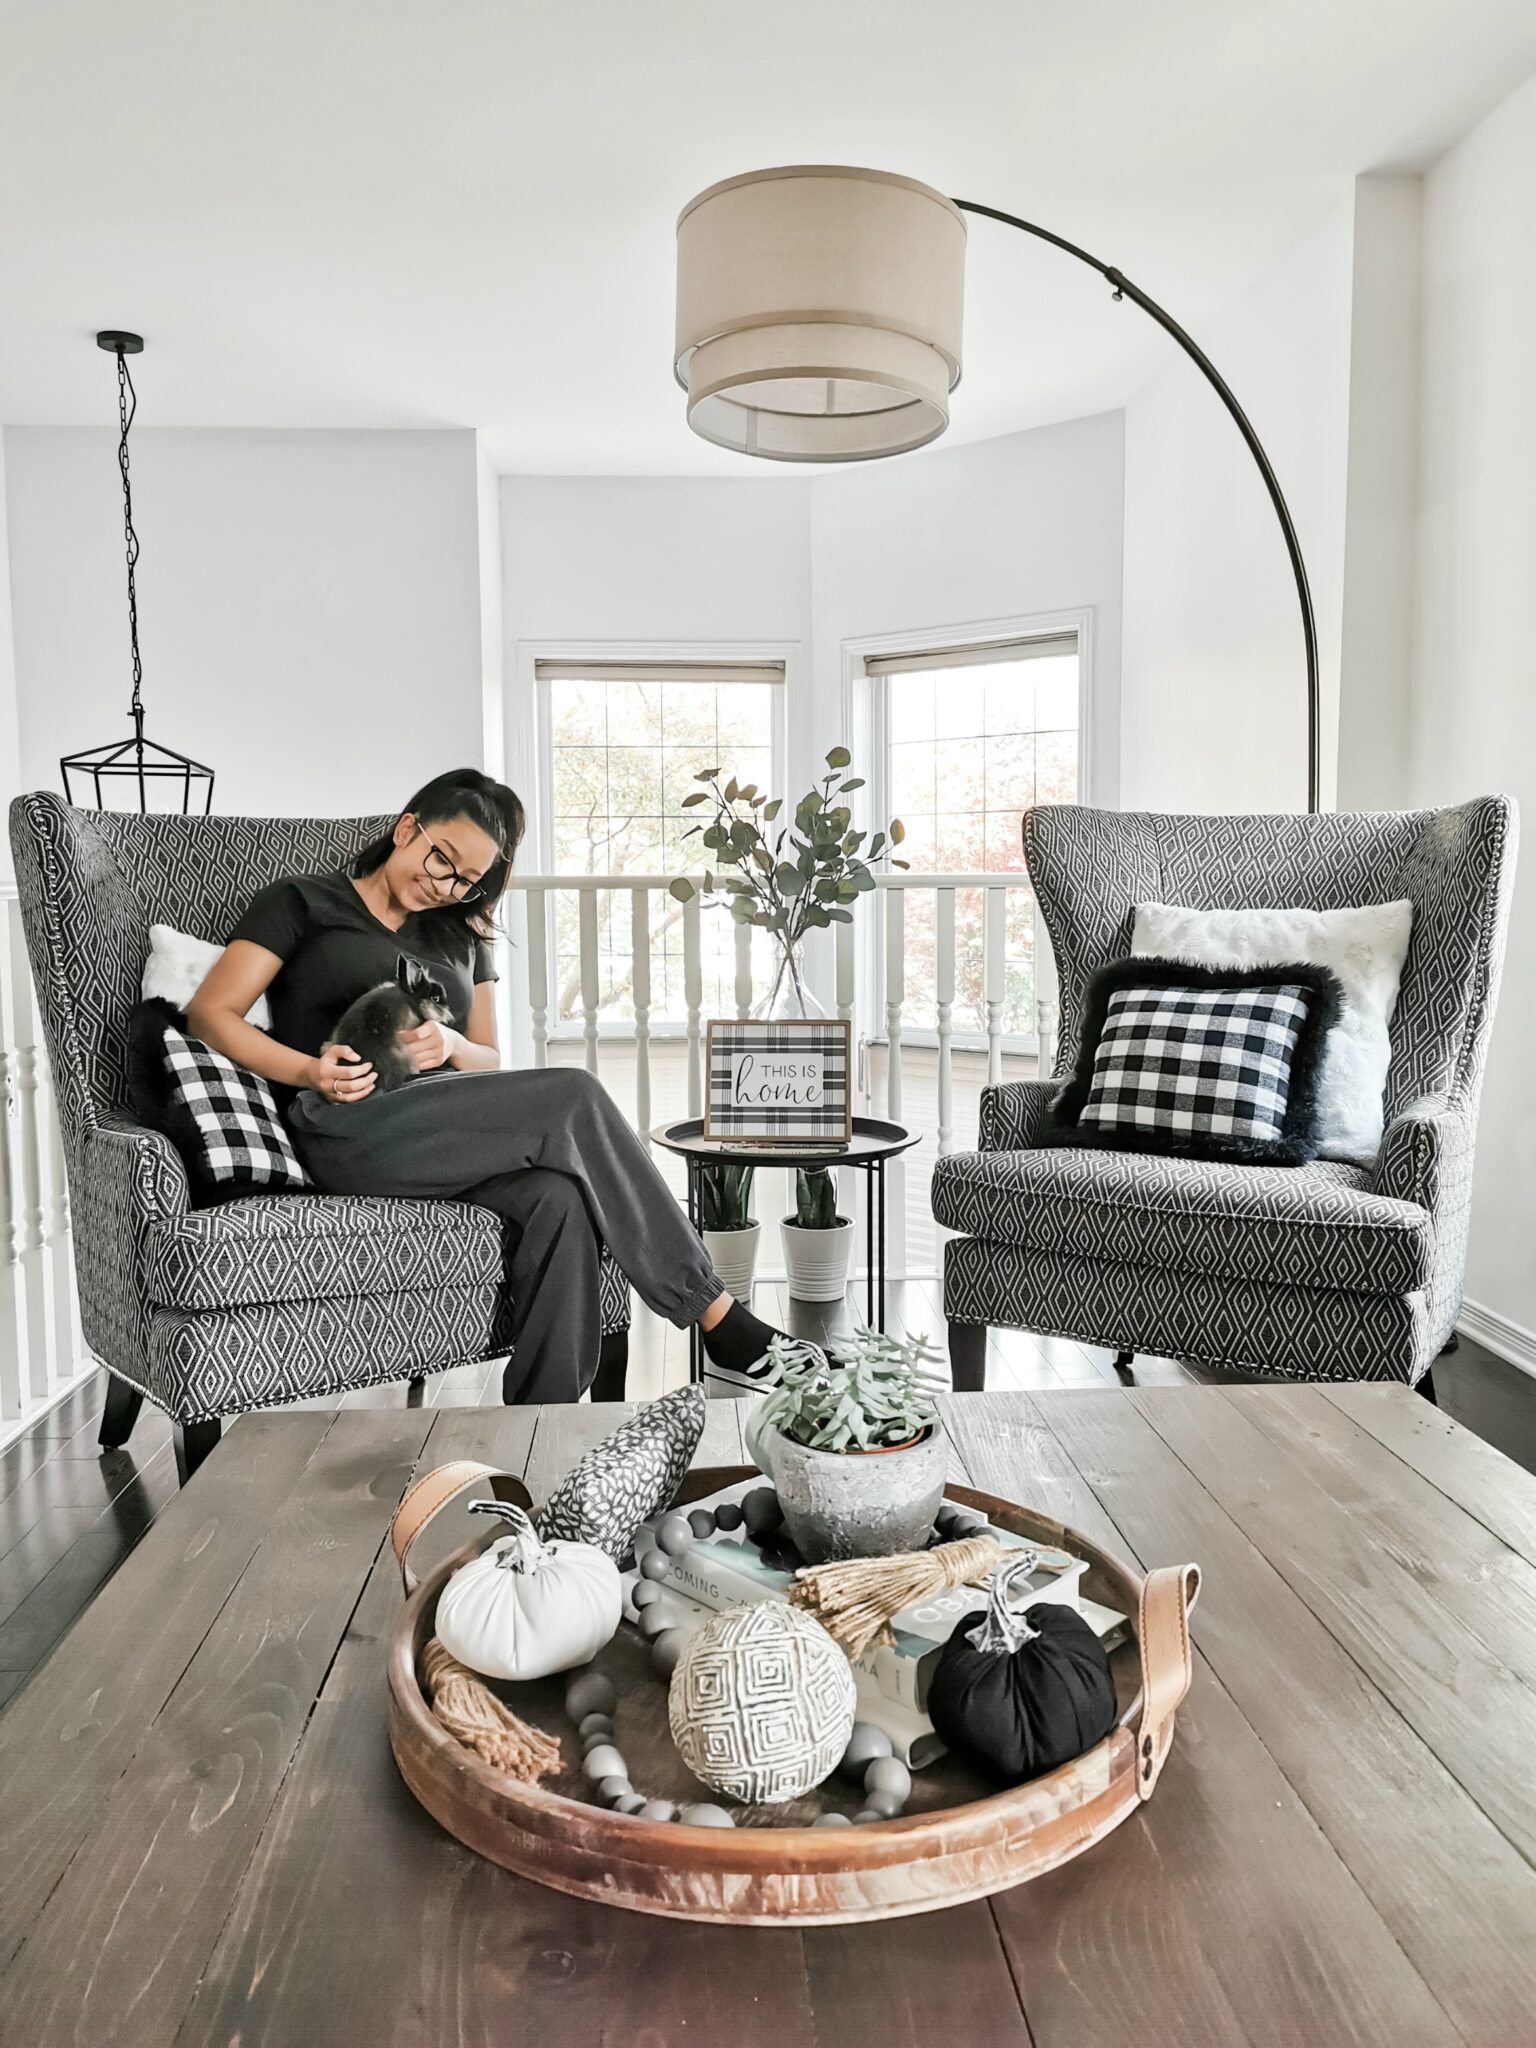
(206, 1840)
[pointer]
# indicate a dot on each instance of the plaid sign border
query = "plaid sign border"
(830, 1122)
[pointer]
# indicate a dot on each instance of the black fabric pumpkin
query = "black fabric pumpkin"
(1021, 1694)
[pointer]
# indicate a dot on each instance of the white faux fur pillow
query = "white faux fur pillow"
(1365, 947)
(176, 966)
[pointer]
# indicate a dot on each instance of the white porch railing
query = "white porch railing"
(871, 986)
(644, 891)
(41, 1352)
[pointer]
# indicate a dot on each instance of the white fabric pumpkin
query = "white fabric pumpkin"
(525, 1608)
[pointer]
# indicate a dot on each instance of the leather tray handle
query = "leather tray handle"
(1167, 1664)
(426, 1497)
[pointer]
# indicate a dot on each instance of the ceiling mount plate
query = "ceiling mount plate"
(120, 342)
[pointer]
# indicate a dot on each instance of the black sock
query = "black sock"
(739, 1341)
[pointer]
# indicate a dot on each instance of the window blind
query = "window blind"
(659, 671)
(1036, 649)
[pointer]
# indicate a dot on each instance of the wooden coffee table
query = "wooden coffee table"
(203, 1838)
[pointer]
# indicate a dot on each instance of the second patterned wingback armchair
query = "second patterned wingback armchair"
(1326, 1271)
(271, 1298)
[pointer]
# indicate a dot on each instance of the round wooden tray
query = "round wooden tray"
(959, 1839)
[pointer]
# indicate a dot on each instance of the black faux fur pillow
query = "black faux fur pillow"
(1199, 1062)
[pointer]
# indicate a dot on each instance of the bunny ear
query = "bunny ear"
(410, 974)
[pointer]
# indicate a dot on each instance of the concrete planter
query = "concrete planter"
(841, 1504)
(816, 1262)
(733, 1254)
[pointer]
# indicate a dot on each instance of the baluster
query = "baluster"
(1047, 997)
(27, 1217)
(895, 992)
(944, 978)
(587, 906)
(13, 1311)
(994, 946)
(56, 1222)
(537, 923)
(895, 977)
(846, 963)
(640, 985)
(693, 999)
(743, 970)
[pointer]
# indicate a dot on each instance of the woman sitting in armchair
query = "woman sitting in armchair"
(547, 1149)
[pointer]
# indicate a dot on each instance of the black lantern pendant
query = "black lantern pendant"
(133, 774)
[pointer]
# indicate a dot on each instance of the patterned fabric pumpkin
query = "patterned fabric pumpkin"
(761, 1704)
(605, 1497)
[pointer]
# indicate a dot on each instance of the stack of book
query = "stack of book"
(727, 1569)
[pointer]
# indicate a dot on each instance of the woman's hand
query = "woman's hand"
(430, 1045)
(339, 1076)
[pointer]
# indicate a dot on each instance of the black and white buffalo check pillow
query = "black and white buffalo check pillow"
(1211, 1063)
(222, 1119)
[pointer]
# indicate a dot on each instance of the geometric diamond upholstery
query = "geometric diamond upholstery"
(275, 1297)
(304, 1247)
(1315, 1225)
(1352, 1273)
(1303, 1333)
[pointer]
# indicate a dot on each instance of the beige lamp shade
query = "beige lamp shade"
(819, 312)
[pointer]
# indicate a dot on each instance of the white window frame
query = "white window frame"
(867, 729)
(531, 743)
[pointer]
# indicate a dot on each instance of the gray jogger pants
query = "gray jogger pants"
(549, 1150)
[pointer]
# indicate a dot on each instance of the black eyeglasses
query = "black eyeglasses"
(442, 869)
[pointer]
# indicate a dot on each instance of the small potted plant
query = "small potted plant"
(818, 1243)
(853, 1444)
(803, 877)
(731, 1233)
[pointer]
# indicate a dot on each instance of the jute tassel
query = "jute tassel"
(472, 1712)
(855, 1601)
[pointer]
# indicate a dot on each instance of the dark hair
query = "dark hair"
(461, 793)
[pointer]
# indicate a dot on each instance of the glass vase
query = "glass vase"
(789, 994)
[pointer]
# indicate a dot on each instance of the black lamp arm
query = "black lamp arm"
(1123, 288)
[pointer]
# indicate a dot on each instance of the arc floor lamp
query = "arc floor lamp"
(819, 312)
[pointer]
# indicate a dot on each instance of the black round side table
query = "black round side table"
(874, 1141)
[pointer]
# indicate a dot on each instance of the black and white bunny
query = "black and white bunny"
(372, 1025)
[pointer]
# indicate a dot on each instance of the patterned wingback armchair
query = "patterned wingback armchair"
(1320, 1272)
(254, 1302)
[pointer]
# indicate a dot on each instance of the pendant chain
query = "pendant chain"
(127, 406)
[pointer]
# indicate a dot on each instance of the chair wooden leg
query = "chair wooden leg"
(1452, 1343)
(612, 1367)
(1124, 1360)
(194, 1440)
(1426, 1387)
(120, 1413)
(416, 1391)
(968, 1357)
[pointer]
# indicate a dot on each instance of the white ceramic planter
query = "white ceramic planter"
(817, 1261)
(841, 1504)
(733, 1254)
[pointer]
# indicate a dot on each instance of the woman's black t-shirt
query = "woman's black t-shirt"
(334, 949)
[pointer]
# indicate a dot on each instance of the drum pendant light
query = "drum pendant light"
(818, 320)
(819, 312)
(133, 774)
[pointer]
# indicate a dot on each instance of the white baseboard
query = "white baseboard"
(1510, 1340)
(14, 1426)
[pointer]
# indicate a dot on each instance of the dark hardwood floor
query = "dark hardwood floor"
(70, 1514)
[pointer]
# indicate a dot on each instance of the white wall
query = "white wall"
(999, 529)
(10, 743)
(1213, 690)
(1473, 726)
(996, 530)
(1381, 504)
(308, 603)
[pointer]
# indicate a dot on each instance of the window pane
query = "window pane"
(623, 757)
(970, 751)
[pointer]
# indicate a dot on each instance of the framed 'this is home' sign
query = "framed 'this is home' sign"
(780, 1083)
